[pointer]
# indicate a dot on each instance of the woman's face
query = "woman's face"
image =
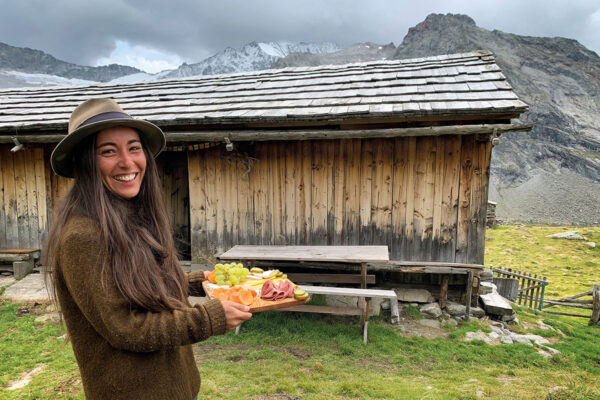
(121, 160)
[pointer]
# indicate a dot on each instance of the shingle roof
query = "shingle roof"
(468, 83)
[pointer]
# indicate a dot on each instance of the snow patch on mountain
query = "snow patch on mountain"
(17, 79)
(251, 57)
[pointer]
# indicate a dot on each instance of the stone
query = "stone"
(514, 321)
(456, 310)
(486, 275)
(495, 304)
(479, 335)
(22, 268)
(507, 288)
(486, 287)
(544, 354)
(342, 301)
(544, 326)
(494, 335)
(452, 322)
(477, 312)
(556, 389)
(431, 323)
(479, 393)
(569, 235)
(29, 289)
(529, 339)
(432, 310)
(414, 295)
(591, 244)
(506, 340)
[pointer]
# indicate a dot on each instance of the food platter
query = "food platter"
(258, 304)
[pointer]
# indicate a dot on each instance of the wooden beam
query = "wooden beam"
(236, 134)
(596, 307)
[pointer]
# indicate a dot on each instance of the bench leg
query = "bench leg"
(395, 314)
(22, 268)
(365, 319)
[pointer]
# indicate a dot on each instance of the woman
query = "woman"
(115, 272)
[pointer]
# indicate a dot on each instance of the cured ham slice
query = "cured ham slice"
(271, 291)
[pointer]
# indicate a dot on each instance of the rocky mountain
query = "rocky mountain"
(22, 66)
(251, 57)
(552, 174)
(356, 53)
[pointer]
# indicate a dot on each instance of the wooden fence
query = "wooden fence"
(531, 287)
(576, 302)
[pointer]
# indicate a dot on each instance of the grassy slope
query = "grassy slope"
(289, 355)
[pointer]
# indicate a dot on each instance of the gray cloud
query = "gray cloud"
(83, 32)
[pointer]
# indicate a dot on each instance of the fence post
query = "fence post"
(543, 290)
(596, 306)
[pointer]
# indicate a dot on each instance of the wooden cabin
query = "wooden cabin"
(392, 153)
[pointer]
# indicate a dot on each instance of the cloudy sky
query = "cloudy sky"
(158, 34)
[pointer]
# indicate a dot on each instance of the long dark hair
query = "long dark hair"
(136, 235)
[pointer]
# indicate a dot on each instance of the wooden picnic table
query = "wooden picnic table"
(249, 254)
(362, 255)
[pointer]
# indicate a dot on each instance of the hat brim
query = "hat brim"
(61, 159)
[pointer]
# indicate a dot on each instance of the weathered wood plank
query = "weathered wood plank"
(3, 239)
(328, 278)
(288, 173)
(308, 253)
(399, 177)
(34, 237)
(464, 198)
(366, 187)
(212, 211)
(381, 195)
(41, 182)
(419, 249)
(476, 225)
(306, 192)
(339, 188)
(329, 154)
(243, 169)
(319, 195)
(410, 199)
(10, 198)
(198, 200)
(21, 192)
(352, 191)
(437, 199)
(450, 190)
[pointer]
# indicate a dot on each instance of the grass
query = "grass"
(307, 356)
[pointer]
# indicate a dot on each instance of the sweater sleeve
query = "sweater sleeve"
(111, 314)
(195, 279)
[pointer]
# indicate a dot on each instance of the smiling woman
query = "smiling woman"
(113, 268)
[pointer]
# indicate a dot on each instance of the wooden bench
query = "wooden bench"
(21, 261)
(366, 294)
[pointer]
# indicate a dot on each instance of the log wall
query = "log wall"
(424, 197)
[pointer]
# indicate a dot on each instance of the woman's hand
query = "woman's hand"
(235, 313)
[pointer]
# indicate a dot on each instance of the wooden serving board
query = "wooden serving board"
(259, 305)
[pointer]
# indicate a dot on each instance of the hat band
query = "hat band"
(103, 117)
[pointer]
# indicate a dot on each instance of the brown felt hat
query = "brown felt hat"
(91, 117)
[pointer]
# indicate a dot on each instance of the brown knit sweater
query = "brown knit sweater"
(125, 353)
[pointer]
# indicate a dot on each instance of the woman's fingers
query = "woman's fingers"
(235, 313)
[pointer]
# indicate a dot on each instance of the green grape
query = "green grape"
(219, 267)
(220, 282)
(234, 279)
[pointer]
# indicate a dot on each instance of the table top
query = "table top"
(349, 254)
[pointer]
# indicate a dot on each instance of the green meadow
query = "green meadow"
(281, 356)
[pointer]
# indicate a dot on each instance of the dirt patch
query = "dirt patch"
(300, 354)
(33, 308)
(25, 378)
(411, 327)
(508, 379)
(71, 386)
(278, 396)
